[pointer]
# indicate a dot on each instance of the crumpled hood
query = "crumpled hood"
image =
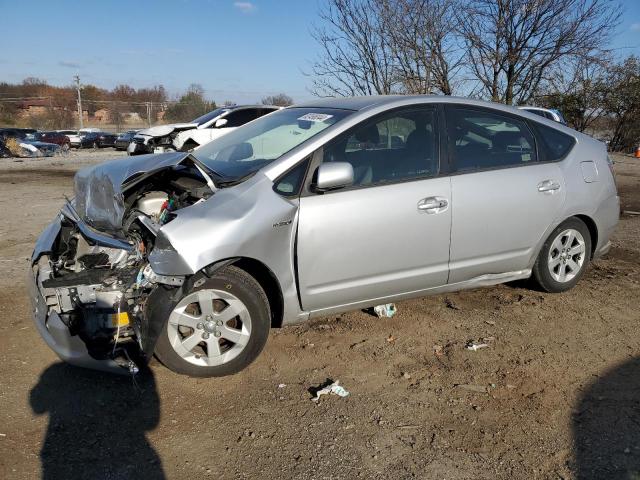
(99, 199)
(164, 130)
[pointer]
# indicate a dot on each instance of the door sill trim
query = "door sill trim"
(480, 281)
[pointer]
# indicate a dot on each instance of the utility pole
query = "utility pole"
(76, 78)
(149, 113)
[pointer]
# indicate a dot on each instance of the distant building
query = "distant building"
(132, 118)
(102, 115)
(35, 107)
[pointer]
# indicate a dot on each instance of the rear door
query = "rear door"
(379, 237)
(503, 197)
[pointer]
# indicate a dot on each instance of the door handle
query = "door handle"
(433, 204)
(548, 186)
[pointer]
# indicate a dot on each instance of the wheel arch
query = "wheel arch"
(593, 230)
(264, 276)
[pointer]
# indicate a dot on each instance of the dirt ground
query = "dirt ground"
(555, 395)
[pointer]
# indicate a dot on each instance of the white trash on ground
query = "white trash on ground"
(475, 346)
(334, 389)
(386, 310)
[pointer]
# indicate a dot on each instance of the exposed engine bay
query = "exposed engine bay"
(99, 285)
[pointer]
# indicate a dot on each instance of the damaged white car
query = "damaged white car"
(184, 137)
(337, 205)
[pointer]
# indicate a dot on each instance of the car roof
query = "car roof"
(366, 102)
(528, 107)
(240, 107)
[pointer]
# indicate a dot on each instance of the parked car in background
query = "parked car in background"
(106, 139)
(550, 113)
(18, 133)
(68, 132)
(193, 257)
(35, 148)
(124, 139)
(188, 136)
(97, 140)
(75, 138)
(58, 138)
(23, 142)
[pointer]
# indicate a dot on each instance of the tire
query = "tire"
(188, 323)
(95, 145)
(564, 257)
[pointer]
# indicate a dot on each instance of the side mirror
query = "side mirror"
(221, 122)
(330, 176)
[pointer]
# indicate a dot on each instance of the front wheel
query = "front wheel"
(564, 257)
(218, 327)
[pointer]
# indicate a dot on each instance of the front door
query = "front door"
(389, 233)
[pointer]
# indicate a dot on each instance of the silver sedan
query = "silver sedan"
(330, 206)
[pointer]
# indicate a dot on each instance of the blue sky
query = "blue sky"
(237, 50)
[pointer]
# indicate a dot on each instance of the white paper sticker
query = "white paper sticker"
(315, 117)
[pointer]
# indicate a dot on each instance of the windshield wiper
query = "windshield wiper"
(205, 167)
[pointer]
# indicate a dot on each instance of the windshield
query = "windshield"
(258, 143)
(208, 116)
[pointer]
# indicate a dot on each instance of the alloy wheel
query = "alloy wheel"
(209, 327)
(566, 255)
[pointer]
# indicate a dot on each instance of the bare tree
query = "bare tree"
(279, 100)
(423, 44)
(355, 57)
(513, 44)
(622, 104)
(578, 89)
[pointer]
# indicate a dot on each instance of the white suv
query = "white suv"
(188, 136)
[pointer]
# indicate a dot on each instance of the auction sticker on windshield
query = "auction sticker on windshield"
(315, 117)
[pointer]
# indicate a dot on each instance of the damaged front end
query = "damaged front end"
(97, 301)
(158, 139)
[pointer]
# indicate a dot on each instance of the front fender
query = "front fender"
(249, 220)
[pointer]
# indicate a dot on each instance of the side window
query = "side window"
(264, 111)
(556, 144)
(394, 147)
(289, 184)
(481, 139)
(239, 118)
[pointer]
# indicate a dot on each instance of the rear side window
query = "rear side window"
(555, 144)
(483, 140)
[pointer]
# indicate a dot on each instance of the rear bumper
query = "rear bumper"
(70, 348)
(606, 217)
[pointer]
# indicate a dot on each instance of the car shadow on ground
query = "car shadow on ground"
(97, 424)
(606, 426)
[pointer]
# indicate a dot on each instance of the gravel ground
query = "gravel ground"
(555, 395)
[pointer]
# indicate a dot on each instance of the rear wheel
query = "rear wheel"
(217, 328)
(564, 257)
